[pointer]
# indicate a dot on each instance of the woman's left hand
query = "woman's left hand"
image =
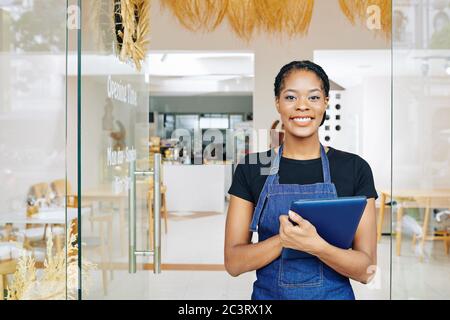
(303, 237)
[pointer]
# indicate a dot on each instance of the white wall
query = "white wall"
(376, 128)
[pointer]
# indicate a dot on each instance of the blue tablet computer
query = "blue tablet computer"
(336, 220)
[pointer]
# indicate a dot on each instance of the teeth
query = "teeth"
(302, 119)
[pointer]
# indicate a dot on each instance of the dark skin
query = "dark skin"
(301, 105)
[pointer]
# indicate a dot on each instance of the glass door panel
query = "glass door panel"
(33, 125)
(421, 150)
(114, 141)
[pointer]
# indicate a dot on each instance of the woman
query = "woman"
(301, 168)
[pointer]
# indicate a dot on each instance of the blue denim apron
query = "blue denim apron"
(294, 275)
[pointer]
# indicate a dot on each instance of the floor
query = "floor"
(197, 238)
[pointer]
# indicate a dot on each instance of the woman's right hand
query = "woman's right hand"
(241, 255)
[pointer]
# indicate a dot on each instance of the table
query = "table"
(44, 216)
(414, 198)
(50, 216)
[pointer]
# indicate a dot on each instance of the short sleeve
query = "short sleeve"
(365, 185)
(240, 186)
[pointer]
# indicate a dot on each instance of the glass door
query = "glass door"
(420, 196)
(34, 216)
(114, 173)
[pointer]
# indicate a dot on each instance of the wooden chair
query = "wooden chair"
(39, 191)
(61, 188)
(441, 235)
(63, 191)
(103, 244)
(34, 234)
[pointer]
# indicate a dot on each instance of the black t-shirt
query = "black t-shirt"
(351, 174)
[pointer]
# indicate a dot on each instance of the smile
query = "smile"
(302, 119)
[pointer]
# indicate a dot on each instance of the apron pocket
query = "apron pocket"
(305, 272)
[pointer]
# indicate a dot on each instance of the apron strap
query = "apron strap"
(325, 165)
(273, 174)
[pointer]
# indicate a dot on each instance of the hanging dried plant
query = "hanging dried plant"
(270, 14)
(356, 12)
(242, 17)
(131, 20)
(297, 16)
(198, 14)
(291, 17)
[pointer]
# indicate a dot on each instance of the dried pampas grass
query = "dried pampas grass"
(242, 17)
(197, 14)
(291, 17)
(297, 16)
(132, 29)
(270, 14)
(60, 277)
(24, 277)
(356, 11)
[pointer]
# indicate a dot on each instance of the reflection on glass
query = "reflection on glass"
(421, 142)
(114, 134)
(32, 163)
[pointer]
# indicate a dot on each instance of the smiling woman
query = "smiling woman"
(301, 168)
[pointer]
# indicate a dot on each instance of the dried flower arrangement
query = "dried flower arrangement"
(244, 16)
(131, 21)
(59, 280)
(197, 14)
(290, 17)
(241, 15)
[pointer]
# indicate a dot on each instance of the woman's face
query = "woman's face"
(302, 103)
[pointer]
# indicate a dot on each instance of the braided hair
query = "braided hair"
(287, 69)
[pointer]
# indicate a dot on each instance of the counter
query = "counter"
(196, 187)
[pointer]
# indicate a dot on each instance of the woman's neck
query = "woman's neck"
(301, 148)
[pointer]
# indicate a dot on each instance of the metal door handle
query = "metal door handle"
(156, 252)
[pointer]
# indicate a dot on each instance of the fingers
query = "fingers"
(284, 219)
(302, 223)
(296, 218)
